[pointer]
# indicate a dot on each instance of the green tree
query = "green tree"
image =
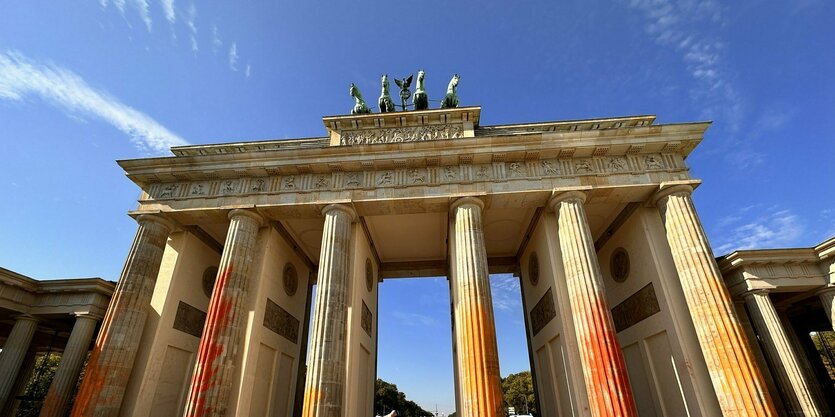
(517, 390)
(387, 397)
(38, 385)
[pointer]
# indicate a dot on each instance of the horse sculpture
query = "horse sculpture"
(385, 103)
(359, 102)
(451, 98)
(420, 99)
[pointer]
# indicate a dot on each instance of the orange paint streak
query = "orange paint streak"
(480, 365)
(210, 349)
(312, 397)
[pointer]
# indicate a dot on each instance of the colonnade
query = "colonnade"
(737, 381)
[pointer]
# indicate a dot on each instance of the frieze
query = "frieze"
(281, 321)
(402, 134)
(543, 312)
(420, 176)
(636, 308)
(189, 319)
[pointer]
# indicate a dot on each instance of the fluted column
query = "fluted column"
(604, 368)
(325, 382)
(477, 360)
(737, 381)
(827, 297)
(69, 368)
(23, 375)
(14, 353)
(111, 362)
(212, 381)
(793, 386)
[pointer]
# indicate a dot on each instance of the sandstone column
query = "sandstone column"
(477, 358)
(325, 382)
(738, 383)
(23, 375)
(14, 353)
(827, 297)
(214, 372)
(69, 368)
(604, 368)
(111, 362)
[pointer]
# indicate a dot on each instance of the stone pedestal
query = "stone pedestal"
(737, 381)
(63, 384)
(111, 362)
(477, 358)
(211, 384)
(14, 353)
(827, 297)
(604, 368)
(324, 387)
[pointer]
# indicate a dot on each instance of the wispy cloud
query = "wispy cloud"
(168, 9)
(216, 41)
(771, 228)
(191, 19)
(689, 28)
(506, 292)
(233, 57)
(248, 70)
(413, 319)
(143, 9)
(21, 78)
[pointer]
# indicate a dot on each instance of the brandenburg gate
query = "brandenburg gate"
(625, 309)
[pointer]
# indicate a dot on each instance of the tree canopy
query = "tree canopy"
(387, 397)
(517, 390)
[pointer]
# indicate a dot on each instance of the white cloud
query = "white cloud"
(233, 57)
(216, 42)
(143, 9)
(191, 18)
(248, 70)
(688, 27)
(413, 319)
(506, 292)
(21, 77)
(168, 9)
(773, 229)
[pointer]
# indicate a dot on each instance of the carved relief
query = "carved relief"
(281, 321)
(208, 281)
(516, 169)
(352, 179)
(417, 176)
(450, 173)
(290, 182)
(654, 162)
(198, 189)
(636, 308)
(386, 178)
(583, 166)
(533, 269)
(543, 312)
(322, 181)
(189, 319)
(257, 185)
(367, 319)
(402, 134)
(617, 164)
(550, 168)
(229, 187)
(369, 275)
(619, 265)
(483, 172)
(290, 279)
(169, 190)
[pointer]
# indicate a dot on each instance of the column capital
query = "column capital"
(246, 213)
(87, 315)
(474, 201)
(757, 291)
(825, 289)
(341, 207)
(668, 188)
(156, 218)
(26, 317)
(560, 196)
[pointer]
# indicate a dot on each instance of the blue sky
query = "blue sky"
(84, 83)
